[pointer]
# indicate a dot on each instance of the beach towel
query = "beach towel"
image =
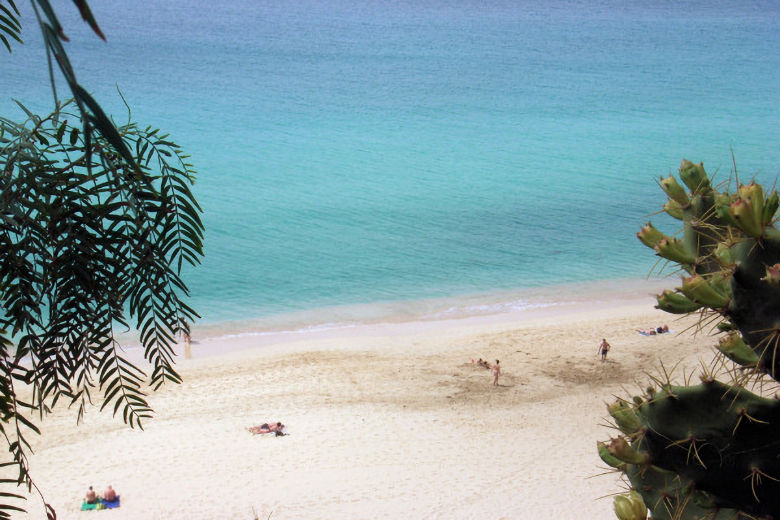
(100, 504)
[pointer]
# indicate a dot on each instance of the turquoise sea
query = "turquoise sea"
(377, 157)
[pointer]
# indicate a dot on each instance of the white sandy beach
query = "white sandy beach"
(385, 421)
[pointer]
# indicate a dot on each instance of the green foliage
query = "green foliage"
(86, 240)
(97, 223)
(711, 451)
(10, 26)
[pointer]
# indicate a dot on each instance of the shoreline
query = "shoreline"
(496, 309)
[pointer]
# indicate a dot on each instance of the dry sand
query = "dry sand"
(385, 421)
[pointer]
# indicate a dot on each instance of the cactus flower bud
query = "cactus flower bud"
(608, 458)
(723, 253)
(630, 507)
(722, 205)
(674, 190)
(754, 194)
(676, 303)
(735, 348)
(650, 236)
(743, 213)
(772, 275)
(725, 326)
(694, 176)
(623, 508)
(700, 290)
(673, 249)
(625, 417)
(673, 209)
(638, 504)
(620, 449)
(721, 282)
(770, 208)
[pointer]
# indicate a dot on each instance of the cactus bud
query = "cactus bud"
(673, 209)
(674, 190)
(699, 290)
(723, 253)
(735, 348)
(742, 211)
(676, 303)
(650, 236)
(630, 507)
(673, 249)
(770, 208)
(753, 194)
(620, 449)
(722, 204)
(725, 326)
(638, 504)
(608, 458)
(722, 283)
(694, 176)
(625, 417)
(623, 508)
(772, 275)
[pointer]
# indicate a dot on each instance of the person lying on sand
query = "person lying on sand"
(661, 329)
(484, 364)
(277, 429)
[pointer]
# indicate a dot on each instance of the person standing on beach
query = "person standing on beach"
(187, 341)
(496, 373)
(604, 348)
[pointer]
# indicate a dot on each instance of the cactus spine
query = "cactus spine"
(712, 450)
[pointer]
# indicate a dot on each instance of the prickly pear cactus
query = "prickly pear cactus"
(712, 450)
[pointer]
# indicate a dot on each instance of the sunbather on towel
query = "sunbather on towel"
(91, 497)
(109, 494)
(277, 428)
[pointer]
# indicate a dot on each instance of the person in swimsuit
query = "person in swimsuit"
(277, 428)
(604, 348)
(496, 373)
(109, 494)
(91, 496)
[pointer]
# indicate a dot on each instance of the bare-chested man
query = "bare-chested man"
(91, 496)
(109, 494)
(604, 348)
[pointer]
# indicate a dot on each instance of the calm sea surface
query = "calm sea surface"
(363, 153)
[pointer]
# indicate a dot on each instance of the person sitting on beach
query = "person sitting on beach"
(91, 497)
(481, 362)
(662, 329)
(109, 494)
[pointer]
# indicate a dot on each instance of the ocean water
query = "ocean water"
(373, 154)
